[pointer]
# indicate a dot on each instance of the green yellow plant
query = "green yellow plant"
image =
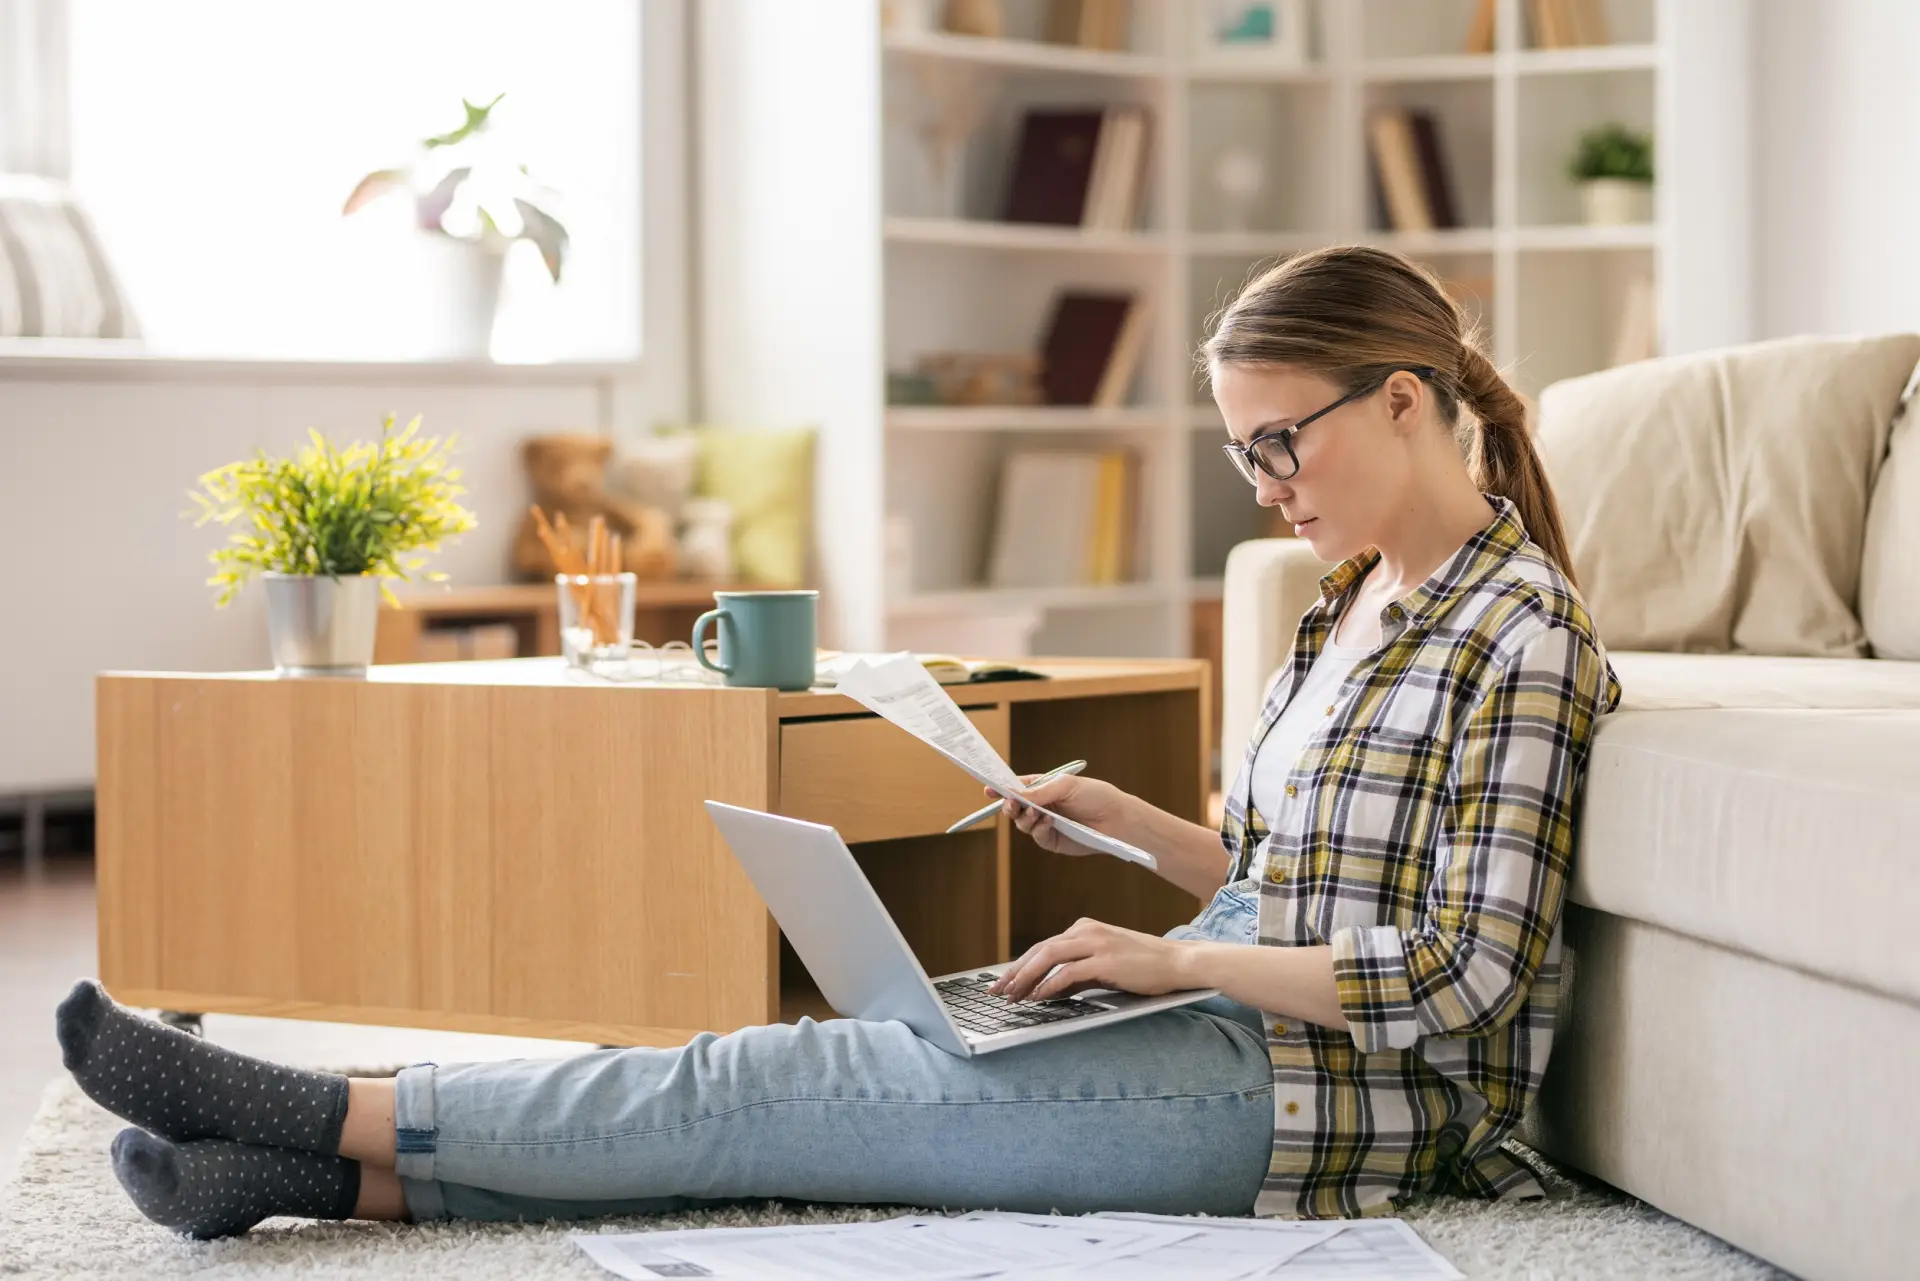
(335, 512)
(1612, 150)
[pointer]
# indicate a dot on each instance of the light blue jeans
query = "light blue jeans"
(1171, 1113)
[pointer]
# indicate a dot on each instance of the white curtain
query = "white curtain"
(33, 88)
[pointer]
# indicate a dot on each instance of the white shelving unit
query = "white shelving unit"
(829, 266)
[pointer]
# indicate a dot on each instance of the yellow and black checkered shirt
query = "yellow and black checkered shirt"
(1426, 833)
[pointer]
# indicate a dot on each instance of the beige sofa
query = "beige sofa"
(1743, 1044)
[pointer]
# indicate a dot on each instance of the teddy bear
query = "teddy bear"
(568, 476)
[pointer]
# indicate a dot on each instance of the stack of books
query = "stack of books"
(1065, 518)
(1412, 190)
(1079, 168)
(1092, 349)
(1091, 24)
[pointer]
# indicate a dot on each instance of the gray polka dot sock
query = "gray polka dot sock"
(177, 1085)
(218, 1188)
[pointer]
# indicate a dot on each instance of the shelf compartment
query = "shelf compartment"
(1554, 111)
(1463, 115)
(1572, 306)
(1287, 129)
(1415, 29)
(973, 233)
(1025, 55)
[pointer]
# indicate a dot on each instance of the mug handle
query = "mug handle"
(715, 616)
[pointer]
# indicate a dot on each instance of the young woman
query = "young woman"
(1383, 924)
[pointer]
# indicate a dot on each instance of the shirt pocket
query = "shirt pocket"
(1379, 805)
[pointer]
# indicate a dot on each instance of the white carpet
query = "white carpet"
(63, 1217)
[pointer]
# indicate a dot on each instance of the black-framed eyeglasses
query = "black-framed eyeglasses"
(1272, 452)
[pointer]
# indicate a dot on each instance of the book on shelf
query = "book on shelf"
(1567, 24)
(1065, 518)
(946, 669)
(1637, 335)
(1053, 166)
(1092, 348)
(1079, 168)
(1480, 30)
(1091, 24)
(1409, 171)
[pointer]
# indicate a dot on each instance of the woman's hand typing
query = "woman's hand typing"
(1095, 954)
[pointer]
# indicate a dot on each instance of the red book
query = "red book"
(1053, 167)
(1433, 169)
(1081, 337)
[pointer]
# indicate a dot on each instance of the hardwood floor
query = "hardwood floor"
(47, 941)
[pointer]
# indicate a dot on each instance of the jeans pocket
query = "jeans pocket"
(1232, 917)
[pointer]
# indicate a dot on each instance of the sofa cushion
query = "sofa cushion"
(1787, 833)
(1890, 562)
(1718, 501)
(1649, 680)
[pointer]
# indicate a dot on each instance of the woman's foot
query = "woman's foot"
(218, 1188)
(177, 1085)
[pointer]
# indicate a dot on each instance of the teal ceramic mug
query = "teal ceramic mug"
(766, 638)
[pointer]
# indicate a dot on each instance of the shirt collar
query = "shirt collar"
(1479, 556)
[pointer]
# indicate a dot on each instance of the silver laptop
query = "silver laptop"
(865, 969)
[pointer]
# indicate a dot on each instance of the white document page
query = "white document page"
(1346, 1250)
(900, 690)
(933, 1249)
(1207, 1249)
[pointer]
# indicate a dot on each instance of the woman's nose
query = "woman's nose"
(1269, 492)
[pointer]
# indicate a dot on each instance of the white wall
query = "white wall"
(789, 248)
(1837, 181)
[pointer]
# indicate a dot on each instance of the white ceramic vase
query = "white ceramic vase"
(1612, 202)
(465, 280)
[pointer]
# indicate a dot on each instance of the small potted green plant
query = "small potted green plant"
(1614, 167)
(325, 529)
(478, 201)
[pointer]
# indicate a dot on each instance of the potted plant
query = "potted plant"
(326, 529)
(1614, 167)
(478, 202)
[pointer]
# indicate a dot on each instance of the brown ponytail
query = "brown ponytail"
(1353, 313)
(1501, 457)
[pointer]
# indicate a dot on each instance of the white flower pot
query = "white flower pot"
(465, 282)
(1611, 202)
(320, 626)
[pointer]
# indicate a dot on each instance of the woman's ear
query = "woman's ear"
(1406, 401)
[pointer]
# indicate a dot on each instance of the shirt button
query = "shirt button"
(1292, 790)
(1395, 612)
(1292, 1107)
(1279, 1029)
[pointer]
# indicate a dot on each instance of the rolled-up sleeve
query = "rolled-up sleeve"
(1502, 866)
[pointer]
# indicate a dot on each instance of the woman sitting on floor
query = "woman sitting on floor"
(1384, 925)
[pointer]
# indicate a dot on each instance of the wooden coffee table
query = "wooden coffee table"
(505, 847)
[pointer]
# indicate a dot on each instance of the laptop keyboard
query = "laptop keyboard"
(978, 1010)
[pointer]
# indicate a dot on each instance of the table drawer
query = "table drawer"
(873, 780)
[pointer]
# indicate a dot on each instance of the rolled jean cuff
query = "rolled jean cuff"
(416, 1142)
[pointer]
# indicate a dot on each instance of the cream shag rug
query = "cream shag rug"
(64, 1217)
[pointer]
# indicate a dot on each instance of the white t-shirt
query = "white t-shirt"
(1307, 709)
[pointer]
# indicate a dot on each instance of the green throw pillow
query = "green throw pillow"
(767, 477)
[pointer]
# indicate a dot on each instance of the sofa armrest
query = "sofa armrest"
(1270, 583)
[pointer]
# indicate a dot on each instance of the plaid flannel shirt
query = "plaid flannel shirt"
(1426, 833)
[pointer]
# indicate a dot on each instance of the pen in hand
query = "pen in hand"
(987, 811)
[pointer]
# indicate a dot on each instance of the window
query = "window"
(214, 142)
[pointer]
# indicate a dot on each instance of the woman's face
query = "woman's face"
(1354, 462)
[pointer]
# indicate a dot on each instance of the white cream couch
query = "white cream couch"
(1743, 1044)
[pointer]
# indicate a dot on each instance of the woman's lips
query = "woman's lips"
(1299, 525)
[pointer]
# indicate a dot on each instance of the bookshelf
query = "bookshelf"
(827, 272)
